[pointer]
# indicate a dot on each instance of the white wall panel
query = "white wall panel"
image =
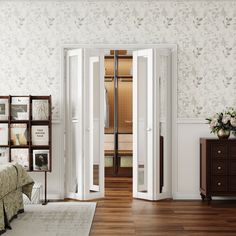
(188, 158)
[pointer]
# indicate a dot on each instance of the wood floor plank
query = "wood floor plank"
(118, 214)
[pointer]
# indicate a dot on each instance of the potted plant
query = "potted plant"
(223, 123)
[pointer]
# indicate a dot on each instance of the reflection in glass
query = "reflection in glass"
(142, 124)
(73, 83)
(73, 70)
(95, 111)
(163, 116)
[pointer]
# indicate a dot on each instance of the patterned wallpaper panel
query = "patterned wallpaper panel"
(32, 32)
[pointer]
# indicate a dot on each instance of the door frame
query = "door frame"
(174, 77)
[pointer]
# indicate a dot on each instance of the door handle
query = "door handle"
(149, 129)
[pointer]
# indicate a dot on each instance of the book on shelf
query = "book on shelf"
(20, 108)
(40, 109)
(39, 135)
(4, 155)
(41, 160)
(21, 156)
(4, 109)
(3, 134)
(19, 134)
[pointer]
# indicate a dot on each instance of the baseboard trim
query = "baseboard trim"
(196, 196)
(52, 196)
(186, 196)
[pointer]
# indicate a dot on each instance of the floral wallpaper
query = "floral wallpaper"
(32, 32)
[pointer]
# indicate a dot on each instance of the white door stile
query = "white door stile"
(92, 191)
(166, 190)
(148, 176)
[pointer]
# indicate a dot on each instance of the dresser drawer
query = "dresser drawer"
(219, 151)
(232, 183)
(232, 167)
(219, 167)
(219, 184)
(232, 151)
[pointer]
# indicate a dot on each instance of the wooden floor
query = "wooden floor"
(119, 214)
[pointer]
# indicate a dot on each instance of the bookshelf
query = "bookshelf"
(26, 132)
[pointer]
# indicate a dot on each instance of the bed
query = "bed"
(14, 181)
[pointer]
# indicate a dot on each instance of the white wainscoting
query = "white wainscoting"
(187, 158)
(56, 177)
(186, 184)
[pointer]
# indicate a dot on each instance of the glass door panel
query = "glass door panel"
(142, 124)
(163, 59)
(94, 119)
(73, 75)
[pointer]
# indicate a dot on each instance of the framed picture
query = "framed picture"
(19, 134)
(4, 155)
(40, 109)
(20, 108)
(39, 135)
(41, 160)
(21, 156)
(4, 109)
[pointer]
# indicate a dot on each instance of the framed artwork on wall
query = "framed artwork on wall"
(40, 135)
(40, 109)
(41, 160)
(20, 108)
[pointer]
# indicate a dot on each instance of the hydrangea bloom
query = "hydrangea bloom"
(233, 121)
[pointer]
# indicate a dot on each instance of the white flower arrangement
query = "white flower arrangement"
(233, 121)
(225, 120)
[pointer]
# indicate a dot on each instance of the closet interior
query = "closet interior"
(118, 113)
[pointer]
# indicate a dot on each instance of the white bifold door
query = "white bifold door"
(85, 124)
(151, 124)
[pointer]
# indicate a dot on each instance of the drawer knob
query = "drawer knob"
(219, 167)
(219, 151)
(219, 183)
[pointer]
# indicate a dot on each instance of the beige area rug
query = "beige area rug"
(54, 219)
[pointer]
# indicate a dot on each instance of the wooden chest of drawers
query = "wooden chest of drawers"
(217, 167)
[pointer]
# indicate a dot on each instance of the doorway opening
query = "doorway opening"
(119, 120)
(118, 144)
